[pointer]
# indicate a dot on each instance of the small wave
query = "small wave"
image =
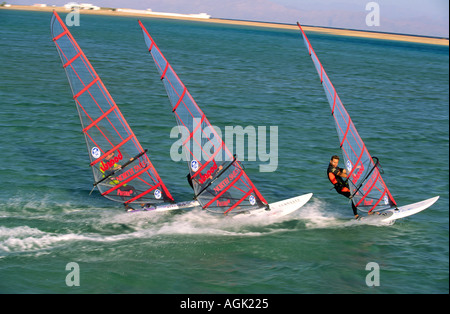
(143, 225)
(316, 215)
(24, 239)
(193, 222)
(103, 226)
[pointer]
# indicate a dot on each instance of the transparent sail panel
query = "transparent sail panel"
(121, 168)
(220, 183)
(366, 184)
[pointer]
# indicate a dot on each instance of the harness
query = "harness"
(336, 180)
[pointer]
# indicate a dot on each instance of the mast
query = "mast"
(369, 192)
(219, 180)
(121, 168)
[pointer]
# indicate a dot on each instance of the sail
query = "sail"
(122, 170)
(218, 178)
(369, 192)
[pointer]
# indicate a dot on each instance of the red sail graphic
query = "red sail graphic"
(366, 184)
(122, 170)
(219, 180)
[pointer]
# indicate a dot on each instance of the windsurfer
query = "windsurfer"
(208, 176)
(109, 167)
(336, 175)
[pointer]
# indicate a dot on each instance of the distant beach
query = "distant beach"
(324, 30)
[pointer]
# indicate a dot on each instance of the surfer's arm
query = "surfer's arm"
(342, 173)
(332, 177)
(116, 166)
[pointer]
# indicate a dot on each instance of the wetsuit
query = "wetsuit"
(125, 190)
(340, 185)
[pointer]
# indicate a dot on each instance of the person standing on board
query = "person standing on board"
(108, 167)
(336, 175)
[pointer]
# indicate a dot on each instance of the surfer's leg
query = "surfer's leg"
(347, 194)
(355, 210)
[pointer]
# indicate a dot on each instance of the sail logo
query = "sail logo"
(221, 185)
(157, 194)
(194, 165)
(371, 182)
(95, 152)
(252, 200)
(357, 175)
(227, 180)
(127, 174)
(110, 163)
(349, 166)
(124, 193)
(204, 177)
(223, 203)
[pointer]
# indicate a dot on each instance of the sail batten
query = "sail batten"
(219, 181)
(369, 192)
(121, 168)
(94, 123)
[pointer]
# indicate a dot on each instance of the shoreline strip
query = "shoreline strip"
(318, 29)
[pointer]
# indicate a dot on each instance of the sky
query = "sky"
(417, 17)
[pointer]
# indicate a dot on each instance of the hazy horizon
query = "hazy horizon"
(429, 18)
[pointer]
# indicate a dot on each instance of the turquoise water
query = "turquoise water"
(398, 97)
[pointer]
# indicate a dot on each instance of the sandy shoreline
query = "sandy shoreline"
(333, 31)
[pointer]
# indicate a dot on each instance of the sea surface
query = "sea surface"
(53, 232)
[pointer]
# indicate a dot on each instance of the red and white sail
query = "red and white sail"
(366, 184)
(219, 180)
(122, 170)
